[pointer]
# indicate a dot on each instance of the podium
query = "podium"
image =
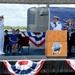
(56, 43)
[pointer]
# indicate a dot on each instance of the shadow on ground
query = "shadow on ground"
(25, 52)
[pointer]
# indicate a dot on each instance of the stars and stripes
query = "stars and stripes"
(36, 39)
(24, 67)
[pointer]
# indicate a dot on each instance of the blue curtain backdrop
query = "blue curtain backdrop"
(63, 13)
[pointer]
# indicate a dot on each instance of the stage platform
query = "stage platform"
(33, 54)
(51, 65)
(33, 57)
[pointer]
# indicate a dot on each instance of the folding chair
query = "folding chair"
(24, 41)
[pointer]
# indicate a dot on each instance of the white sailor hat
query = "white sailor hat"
(56, 17)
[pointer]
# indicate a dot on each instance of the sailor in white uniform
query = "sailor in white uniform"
(1, 34)
(55, 24)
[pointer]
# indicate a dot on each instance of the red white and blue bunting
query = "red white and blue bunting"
(28, 67)
(24, 67)
(36, 39)
(71, 63)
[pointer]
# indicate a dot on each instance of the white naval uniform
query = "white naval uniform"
(58, 26)
(1, 36)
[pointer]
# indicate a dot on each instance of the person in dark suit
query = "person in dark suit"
(72, 41)
(6, 40)
(19, 38)
(68, 40)
(19, 35)
(72, 38)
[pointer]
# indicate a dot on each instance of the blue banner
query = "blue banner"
(66, 15)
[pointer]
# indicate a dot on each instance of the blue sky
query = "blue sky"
(15, 14)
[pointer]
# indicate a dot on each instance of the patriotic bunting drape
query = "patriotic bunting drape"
(28, 67)
(71, 63)
(24, 67)
(36, 39)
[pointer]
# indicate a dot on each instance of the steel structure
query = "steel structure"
(39, 1)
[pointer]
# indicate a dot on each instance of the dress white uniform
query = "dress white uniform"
(1, 36)
(58, 26)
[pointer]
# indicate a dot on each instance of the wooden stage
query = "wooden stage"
(33, 58)
(51, 65)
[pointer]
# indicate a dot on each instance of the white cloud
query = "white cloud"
(15, 14)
